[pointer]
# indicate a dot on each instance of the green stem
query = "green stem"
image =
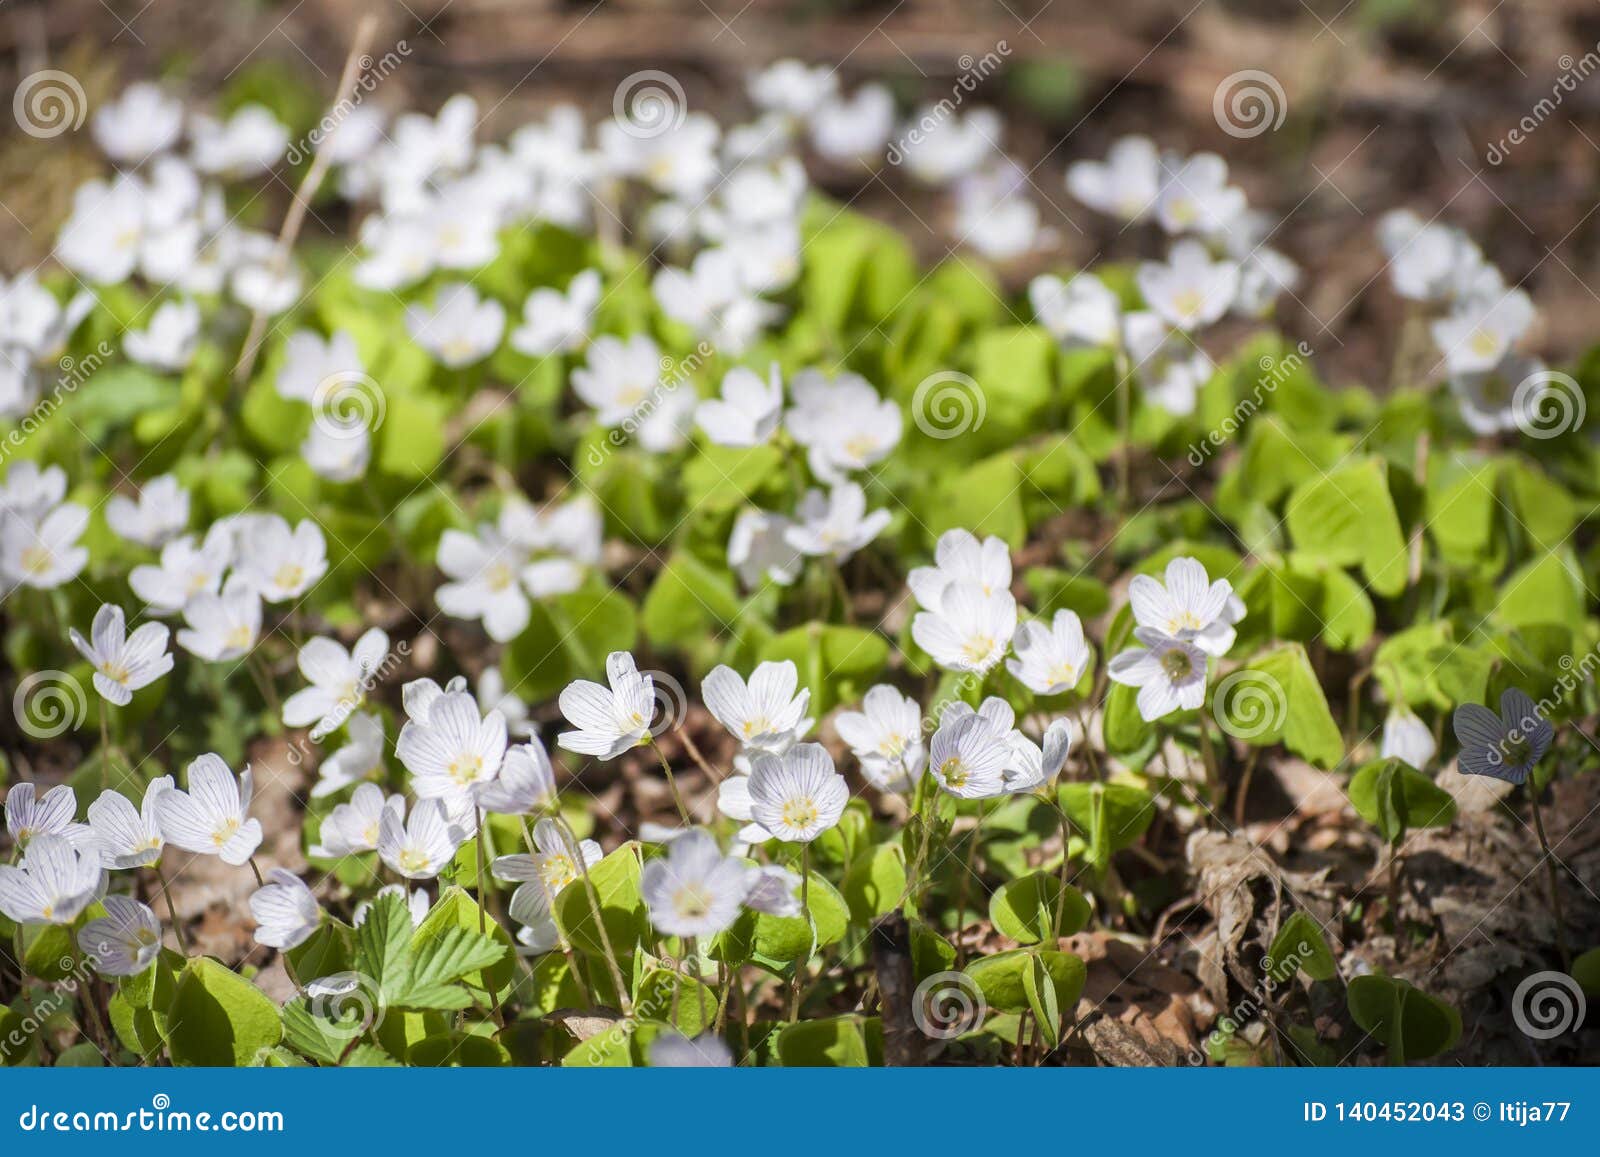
(1550, 870)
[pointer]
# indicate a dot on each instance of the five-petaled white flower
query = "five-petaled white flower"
(609, 720)
(798, 795)
(123, 942)
(766, 714)
(29, 814)
(1124, 185)
(970, 631)
(123, 663)
(836, 524)
(281, 563)
(886, 737)
(128, 837)
(352, 828)
(460, 328)
(1170, 673)
(694, 890)
(971, 750)
(526, 783)
(542, 874)
(959, 557)
(222, 627)
(212, 817)
(53, 884)
(185, 572)
(1190, 606)
(1189, 290)
(556, 322)
(420, 847)
(455, 751)
(1051, 660)
(285, 911)
(339, 681)
(1034, 765)
(358, 761)
(748, 410)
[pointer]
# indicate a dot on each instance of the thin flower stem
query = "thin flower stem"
(594, 910)
(1208, 753)
(1124, 441)
(805, 907)
(966, 880)
(97, 1026)
(683, 812)
(257, 666)
(1550, 870)
(1061, 901)
(172, 910)
(105, 749)
(483, 901)
(260, 883)
(694, 753)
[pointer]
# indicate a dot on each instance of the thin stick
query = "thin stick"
(683, 812)
(172, 911)
(309, 184)
(694, 753)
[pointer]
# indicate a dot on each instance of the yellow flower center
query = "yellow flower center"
(116, 672)
(289, 576)
(464, 769)
(225, 831)
(800, 814)
(691, 900)
(953, 772)
(36, 559)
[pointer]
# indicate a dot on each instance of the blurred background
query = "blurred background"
(1385, 104)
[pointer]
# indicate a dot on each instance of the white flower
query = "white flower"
(619, 378)
(970, 631)
(455, 751)
(843, 424)
(102, 239)
(285, 911)
(1479, 333)
(748, 411)
(759, 550)
(311, 363)
(940, 145)
(1082, 311)
(1196, 197)
(766, 715)
(496, 696)
(213, 817)
(339, 681)
(127, 837)
(1050, 660)
(526, 783)
(168, 342)
(44, 555)
(1488, 398)
(609, 720)
(556, 322)
(673, 1050)
(123, 663)
(1169, 365)
(694, 890)
(246, 144)
(798, 795)
(1190, 290)
(30, 493)
(1430, 262)
(1170, 673)
(1033, 766)
(337, 451)
(123, 942)
(29, 814)
(1125, 185)
(281, 564)
(358, 761)
(263, 281)
(792, 87)
(995, 216)
(352, 828)
(681, 162)
(419, 696)
(560, 540)
(1407, 738)
(54, 883)
(422, 847)
(460, 328)
(159, 515)
(545, 551)
(140, 123)
(718, 295)
(541, 875)
(222, 627)
(971, 749)
(835, 524)
(960, 558)
(886, 737)
(856, 127)
(1190, 606)
(416, 902)
(1504, 746)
